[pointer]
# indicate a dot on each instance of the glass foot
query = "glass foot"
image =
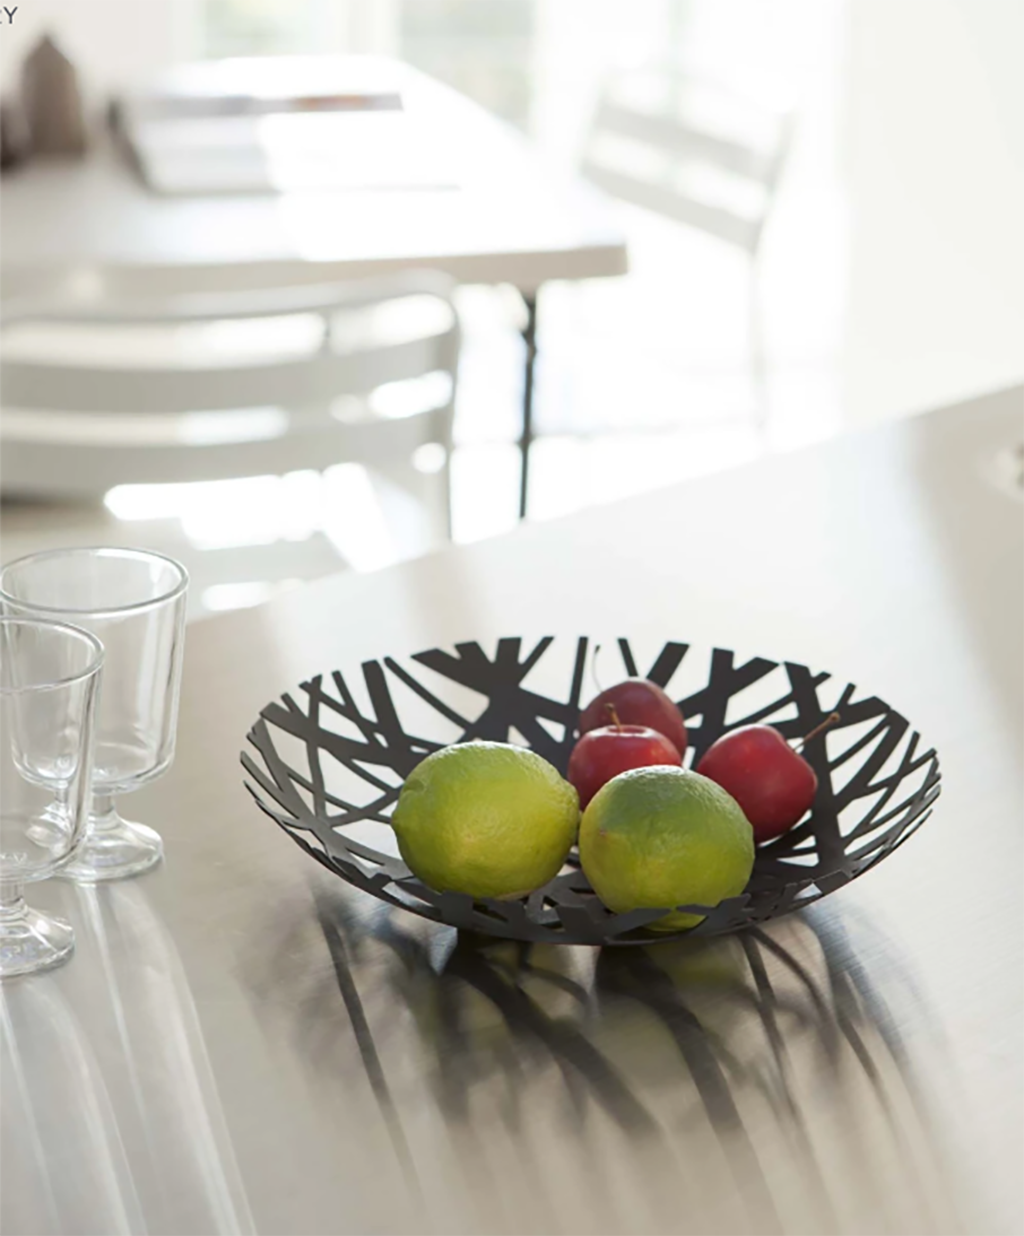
(113, 849)
(31, 941)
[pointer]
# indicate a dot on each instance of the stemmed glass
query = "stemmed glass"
(133, 600)
(49, 677)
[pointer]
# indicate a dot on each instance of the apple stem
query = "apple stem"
(829, 721)
(614, 716)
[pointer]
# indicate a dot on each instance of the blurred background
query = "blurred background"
(814, 205)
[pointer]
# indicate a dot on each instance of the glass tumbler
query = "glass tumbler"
(49, 678)
(133, 600)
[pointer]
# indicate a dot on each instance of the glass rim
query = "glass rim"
(66, 628)
(108, 611)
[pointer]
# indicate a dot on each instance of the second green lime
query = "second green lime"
(655, 838)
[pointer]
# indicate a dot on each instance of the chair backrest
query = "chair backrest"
(121, 410)
(689, 149)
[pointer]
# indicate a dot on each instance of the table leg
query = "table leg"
(526, 435)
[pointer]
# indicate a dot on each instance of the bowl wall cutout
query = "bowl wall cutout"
(329, 761)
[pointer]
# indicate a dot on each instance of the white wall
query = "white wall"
(933, 142)
(114, 42)
(111, 41)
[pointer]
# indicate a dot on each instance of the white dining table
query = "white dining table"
(498, 214)
(245, 1043)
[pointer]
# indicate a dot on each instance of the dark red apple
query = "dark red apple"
(637, 701)
(602, 754)
(773, 785)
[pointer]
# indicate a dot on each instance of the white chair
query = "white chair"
(184, 396)
(696, 152)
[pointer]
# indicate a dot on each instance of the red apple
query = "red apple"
(602, 754)
(637, 701)
(773, 785)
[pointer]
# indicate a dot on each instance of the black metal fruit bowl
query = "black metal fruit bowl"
(329, 765)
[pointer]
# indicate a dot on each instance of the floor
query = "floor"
(641, 382)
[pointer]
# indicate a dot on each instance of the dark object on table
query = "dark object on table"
(52, 101)
(14, 138)
(333, 763)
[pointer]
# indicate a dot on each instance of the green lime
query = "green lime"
(486, 819)
(663, 837)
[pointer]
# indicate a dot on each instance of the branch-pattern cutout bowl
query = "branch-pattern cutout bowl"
(330, 759)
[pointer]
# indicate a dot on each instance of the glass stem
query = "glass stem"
(12, 904)
(103, 813)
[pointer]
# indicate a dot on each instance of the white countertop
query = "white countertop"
(242, 1043)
